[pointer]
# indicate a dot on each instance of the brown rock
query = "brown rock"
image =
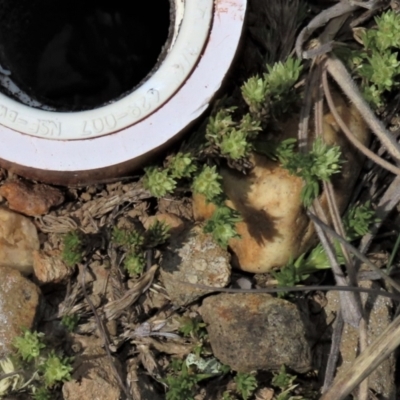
(175, 223)
(193, 257)
(275, 227)
(93, 376)
(31, 199)
(19, 304)
(18, 241)
(49, 267)
(257, 331)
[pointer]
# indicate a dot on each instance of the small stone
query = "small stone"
(175, 223)
(18, 241)
(257, 332)
(19, 305)
(193, 256)
(94, 376)
(31, 199)
(48, 267)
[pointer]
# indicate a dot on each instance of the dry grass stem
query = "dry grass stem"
(365, 363)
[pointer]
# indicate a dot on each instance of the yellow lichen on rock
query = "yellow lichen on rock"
(275, 227)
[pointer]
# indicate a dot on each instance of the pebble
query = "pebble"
(18, 241)
(252, 332)
(31, 199)
(194, 257)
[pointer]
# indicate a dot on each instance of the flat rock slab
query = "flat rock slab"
(194, 257)
(257, 331)
(19, 305)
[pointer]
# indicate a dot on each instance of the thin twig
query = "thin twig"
(365, 363)
(320, 20)
(353, 250)
(334, 353)
(350, 303)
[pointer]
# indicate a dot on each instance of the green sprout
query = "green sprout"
(182, 166)
(232, 139)
(157, 234)
(246, 384)
(125, 238)
(56, 369)
(285, 382)
(134, 263)
(158, 182)
(222, 225)
(273, 89)
(72, 253)
(356, 221)
(42, 393)
(29, 345)
(192, 327)
(208, 183)
(70, 321)
(182, 383)
(377, 63)
(319, 164)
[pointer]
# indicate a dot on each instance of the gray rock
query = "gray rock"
(378, 311)
(19, 305)
(194, 257)
(257, 331)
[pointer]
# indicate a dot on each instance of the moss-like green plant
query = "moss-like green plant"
(42, 369)
(135, 244)
(222, 225)
(157, 234)
(246, 384)
(70, 321)
(232, 139)
(29, 345)
(377, 62)
(182, 165)
(182, 381)
(56, 369)
(272, 90)
(72, 253)
(208, 183)
(356, 221)
(319, 164)
(158, 182)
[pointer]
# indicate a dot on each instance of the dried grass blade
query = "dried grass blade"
(353, 250)
(366, 363)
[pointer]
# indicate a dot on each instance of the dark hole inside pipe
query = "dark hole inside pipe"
(80, 54)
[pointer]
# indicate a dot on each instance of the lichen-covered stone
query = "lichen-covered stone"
(194, 257)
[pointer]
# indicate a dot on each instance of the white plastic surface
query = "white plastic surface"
(188, 103)
(192, 33)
